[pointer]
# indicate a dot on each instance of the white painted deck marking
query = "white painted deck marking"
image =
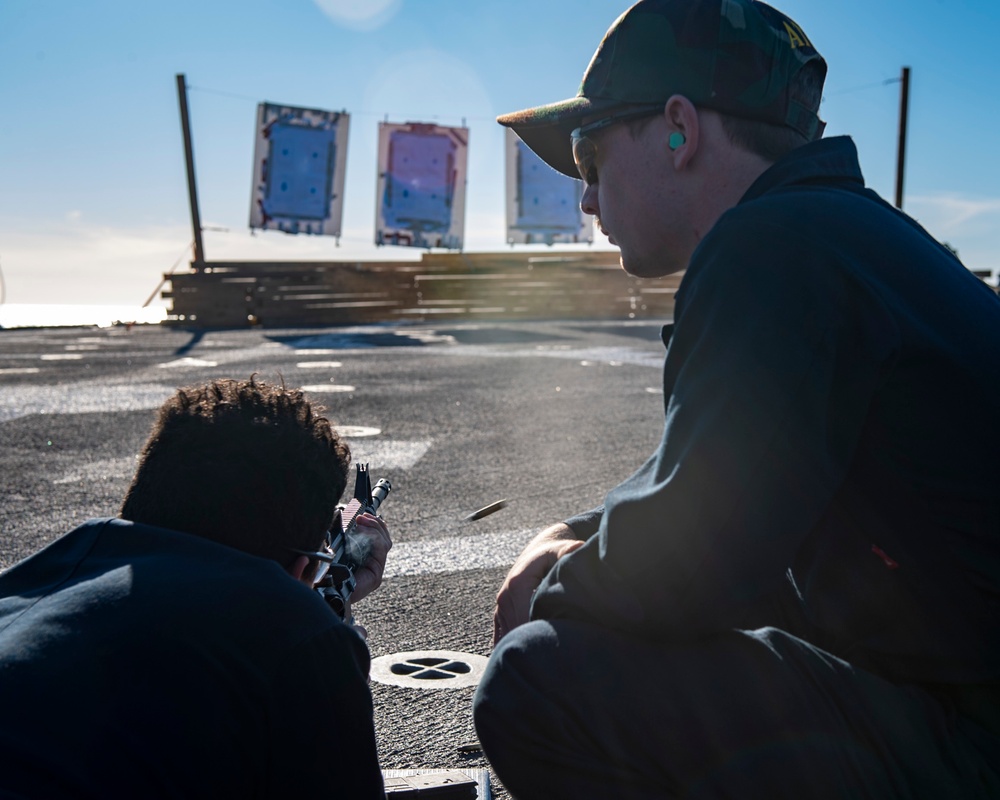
(187, 363)
(387, 454)
(61, 357)
(319, 351)
(457, 553)
(80, 398)
(357, 431)
(327, 387)
(319, 364)
(615, 356)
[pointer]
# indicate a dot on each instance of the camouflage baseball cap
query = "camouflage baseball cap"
(737, 57)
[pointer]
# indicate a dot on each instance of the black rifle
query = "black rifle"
(339, 583)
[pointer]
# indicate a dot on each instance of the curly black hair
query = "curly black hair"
(248, 464)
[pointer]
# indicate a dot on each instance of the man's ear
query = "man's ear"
(683, 130)
(297, 569)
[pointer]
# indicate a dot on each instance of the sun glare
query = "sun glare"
(365, 16)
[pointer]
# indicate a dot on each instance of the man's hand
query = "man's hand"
(368, 576)
(534, 563)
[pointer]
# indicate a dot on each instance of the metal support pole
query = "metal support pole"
(904, 102)
(199, 247)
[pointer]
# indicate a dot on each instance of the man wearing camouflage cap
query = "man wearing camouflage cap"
(797, 595)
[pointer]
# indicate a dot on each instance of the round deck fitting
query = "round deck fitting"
(429, 669)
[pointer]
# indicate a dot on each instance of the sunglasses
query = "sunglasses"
(584, 148)
(324, 558)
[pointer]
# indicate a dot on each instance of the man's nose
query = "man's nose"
(588, 203)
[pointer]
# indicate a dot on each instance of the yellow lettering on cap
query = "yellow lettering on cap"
(796, 36)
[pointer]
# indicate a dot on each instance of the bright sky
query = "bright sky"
(93, 197)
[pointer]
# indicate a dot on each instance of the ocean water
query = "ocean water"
(34, 315)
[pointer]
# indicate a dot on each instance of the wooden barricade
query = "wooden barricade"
(515, 285)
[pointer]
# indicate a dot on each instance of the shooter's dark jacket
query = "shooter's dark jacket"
(141, 662)
(830, 462)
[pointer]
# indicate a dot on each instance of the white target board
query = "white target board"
(543, 206)
(421, 185)
(299, 165)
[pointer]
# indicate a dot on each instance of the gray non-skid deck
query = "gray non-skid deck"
(547, 415)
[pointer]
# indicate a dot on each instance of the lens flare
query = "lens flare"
(366, 16)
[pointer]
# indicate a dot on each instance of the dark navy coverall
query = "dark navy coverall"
(142, 662)
(798, 594)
